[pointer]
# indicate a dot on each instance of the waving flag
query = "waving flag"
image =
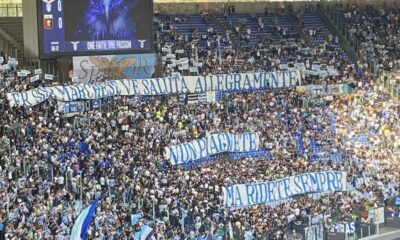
(81, 225)
(145, 233)
(135, 218)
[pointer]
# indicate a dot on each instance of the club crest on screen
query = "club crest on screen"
(48, 21)
(75, 45)
(141, 43)
(48, 4)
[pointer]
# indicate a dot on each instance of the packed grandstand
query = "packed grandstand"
(219, 164)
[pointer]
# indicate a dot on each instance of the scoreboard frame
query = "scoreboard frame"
(55, 55)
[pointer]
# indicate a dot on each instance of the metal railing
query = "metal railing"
(11, 10)
(337, 19)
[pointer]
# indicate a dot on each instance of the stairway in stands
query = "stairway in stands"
(313, 20)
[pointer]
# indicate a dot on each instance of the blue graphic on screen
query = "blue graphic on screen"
(80, 26)
(108, 19)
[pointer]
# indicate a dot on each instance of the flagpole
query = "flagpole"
(8, 205)
(66, 179)
(154, 213)
(81, 187)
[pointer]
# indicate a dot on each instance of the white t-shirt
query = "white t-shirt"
(60, 180)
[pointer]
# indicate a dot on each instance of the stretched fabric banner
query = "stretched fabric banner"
(87, 69)
(242, 195)
(213, 144)
(334, 89)
(159, 86)
(259, 154)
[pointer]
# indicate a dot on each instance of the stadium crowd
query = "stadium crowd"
(377, 32)
(53, 166)
(277, 51)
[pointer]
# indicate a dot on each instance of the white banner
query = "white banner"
(379, 216)
(242, 195)
(334, 89)
(211, 97)
(193, 69)
(49, 77)
(213, 144)
(12, 62)
(38, 71)
(315, 232)
(35, 78)
(91, 69)
(158, 86)
(183, 61)
(5, 68)
(22, 74)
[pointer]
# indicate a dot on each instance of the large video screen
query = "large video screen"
(85, 27)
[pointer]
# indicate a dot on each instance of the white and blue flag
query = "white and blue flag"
(145, 233)
(82, 223)
(135, 218)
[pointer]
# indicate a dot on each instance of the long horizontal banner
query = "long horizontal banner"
(158, 86)
(334, 89)
(242, 195)
(213, 144)
(259, 154)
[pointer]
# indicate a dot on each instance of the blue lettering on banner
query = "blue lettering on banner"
(262, 189)
(347, 227)
(213, 148)
(292, 78)
(250, 192)
(219, 82)
(247, 85)
(274, 83)
(331, 181)
(89, 93)
(278, 184)
(81, 91)
(287, 190)
(298, 187)
(228, 81)
(162, 89)
(126, 89)
(283, 189)
(173, 156)
(258, 80)
(270, 191)
(236, 145)
(199, 86)
(237, 82)
(74, 93)
(153, 89)
(228, 192)
(304, 182)
(202, 146)
(314, 181)
(213, 144)
(238, 197)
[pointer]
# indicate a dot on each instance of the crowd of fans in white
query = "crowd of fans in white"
(52, 167)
